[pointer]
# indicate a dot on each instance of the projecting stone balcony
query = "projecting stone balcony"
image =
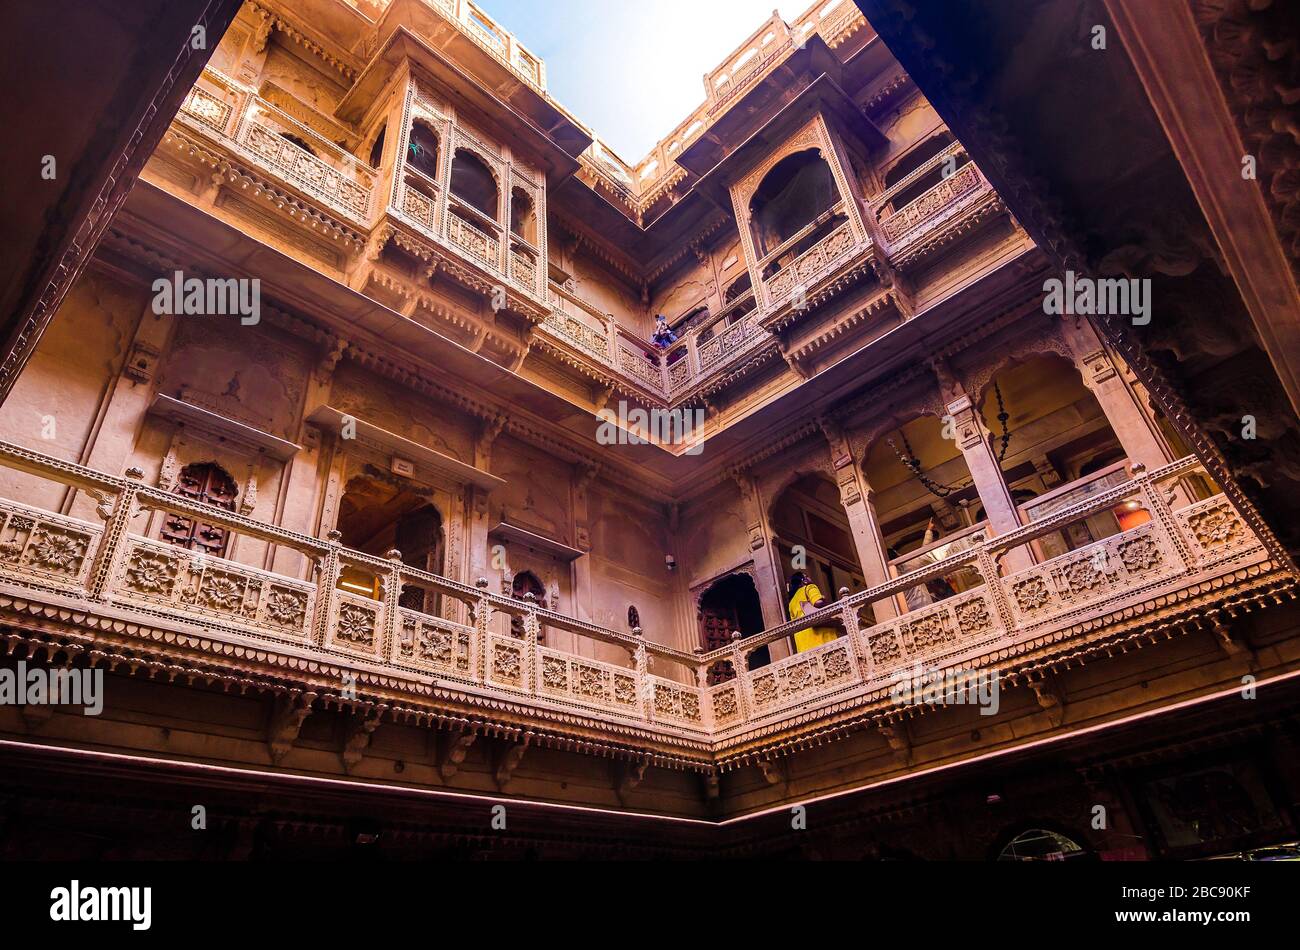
(261, 138)
(476, 652)
(914, 225)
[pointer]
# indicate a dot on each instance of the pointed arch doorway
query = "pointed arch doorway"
(728, 606)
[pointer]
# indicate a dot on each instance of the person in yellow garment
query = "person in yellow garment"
(804, 598)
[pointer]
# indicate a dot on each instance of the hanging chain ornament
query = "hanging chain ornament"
(1003, 417)
(913, 465)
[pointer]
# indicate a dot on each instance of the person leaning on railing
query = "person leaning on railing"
(804, 597)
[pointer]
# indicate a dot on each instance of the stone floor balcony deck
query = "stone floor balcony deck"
(96, 583)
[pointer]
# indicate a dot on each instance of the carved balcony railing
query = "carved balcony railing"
(810, 267)
(270, 139)
(1151, 562)
(907, 228)
(470, 19)
(483, 647)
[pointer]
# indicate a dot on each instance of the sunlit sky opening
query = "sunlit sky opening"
(633, 69)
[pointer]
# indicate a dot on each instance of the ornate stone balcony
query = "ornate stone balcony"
(100, 575)
(259, 133)
(940, 213)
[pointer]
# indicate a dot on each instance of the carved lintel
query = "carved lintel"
(1050, 697)
(509, 761)
(356, 738)
(900, 742)
(454, 751)
(287, 716)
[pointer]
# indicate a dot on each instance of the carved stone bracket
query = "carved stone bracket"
(630, 775)
(509, 760)
(775, 771)
(356, 738)
(900, 742)
(1049, 695)
(455, 748)
(288, 713)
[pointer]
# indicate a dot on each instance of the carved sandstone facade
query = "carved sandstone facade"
(378, 534)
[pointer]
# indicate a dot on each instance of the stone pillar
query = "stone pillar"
(973, 438)
(583, 591)
(1133, 428)
(767, 577)
(479, 525)
(856, 497)
(301, 474)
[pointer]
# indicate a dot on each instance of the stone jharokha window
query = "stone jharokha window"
(793, 195)
(523, 219)
(525, 583)
(473, 182)
(422, 149)
(209, 483)
(913, 160)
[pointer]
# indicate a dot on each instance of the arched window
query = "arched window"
(525, 583)
(633, 617)
(798, 190)
(210, 484)
(523, 220)
(422, 150)
(472, 181)
(739, 287)
(377, 150)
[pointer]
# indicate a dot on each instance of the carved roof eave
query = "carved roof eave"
(158, 650)
(347, 67)
(885, 300)
(539, 435)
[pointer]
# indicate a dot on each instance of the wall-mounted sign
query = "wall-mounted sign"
(402, 467)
